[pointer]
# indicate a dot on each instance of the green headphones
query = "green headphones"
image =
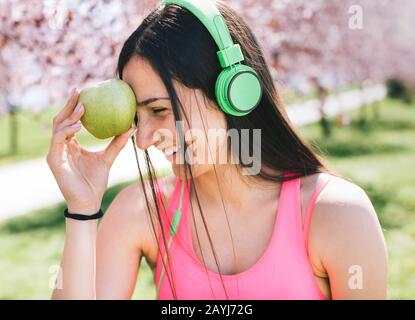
(238, 89)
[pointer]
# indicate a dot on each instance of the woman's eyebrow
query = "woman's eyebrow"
(150, 100)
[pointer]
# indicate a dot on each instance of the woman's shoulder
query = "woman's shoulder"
(344, 217)
(135, 192)
(344, 232)
(340, 200)
(338, 193)
(129, 211)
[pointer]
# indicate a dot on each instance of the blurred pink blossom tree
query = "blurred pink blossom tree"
(48, 47)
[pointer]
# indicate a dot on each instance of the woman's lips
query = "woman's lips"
(170, 152)
(171, 157)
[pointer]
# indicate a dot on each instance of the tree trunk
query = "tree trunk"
(13, 130)
(363, 109)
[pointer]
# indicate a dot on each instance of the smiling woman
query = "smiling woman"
(220, 229)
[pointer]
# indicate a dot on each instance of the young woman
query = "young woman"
(291, 230)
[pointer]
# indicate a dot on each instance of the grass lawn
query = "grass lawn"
(379, 157)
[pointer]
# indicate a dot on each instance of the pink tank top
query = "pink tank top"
(283, 271)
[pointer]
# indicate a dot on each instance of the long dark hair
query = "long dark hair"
(179, 47)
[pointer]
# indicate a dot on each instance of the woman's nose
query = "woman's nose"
(145, 135)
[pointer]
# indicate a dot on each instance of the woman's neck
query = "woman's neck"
(228, 184)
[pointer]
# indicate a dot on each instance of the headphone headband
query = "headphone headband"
(238, 89)
(209, 15)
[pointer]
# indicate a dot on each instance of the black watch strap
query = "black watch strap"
(78, 216)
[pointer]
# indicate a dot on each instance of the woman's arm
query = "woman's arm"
(78, 260)
(102, 262)
(346, 235)
(123, 236)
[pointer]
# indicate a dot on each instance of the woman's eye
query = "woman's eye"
(159, 110)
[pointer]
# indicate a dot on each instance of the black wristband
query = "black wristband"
(78, 216)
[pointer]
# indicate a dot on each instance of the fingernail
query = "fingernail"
(76, 125)
(78, 106)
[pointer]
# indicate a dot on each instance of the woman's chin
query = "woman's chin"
(179, 170)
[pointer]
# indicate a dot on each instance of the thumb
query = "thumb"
(116, 145)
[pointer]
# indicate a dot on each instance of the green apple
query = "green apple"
(109, 108)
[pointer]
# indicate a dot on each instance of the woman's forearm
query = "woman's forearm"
(77, 269)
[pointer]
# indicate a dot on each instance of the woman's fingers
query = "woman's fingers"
(61, 135)
(116, 145)
(73, 144)
(58, 141)
(72, 118)
(67, 110)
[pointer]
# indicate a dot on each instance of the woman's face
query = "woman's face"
(205, 129)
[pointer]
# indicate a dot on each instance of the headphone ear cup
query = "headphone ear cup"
(221, 92)
(238, 90)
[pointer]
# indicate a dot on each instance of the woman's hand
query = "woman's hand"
(82, 175)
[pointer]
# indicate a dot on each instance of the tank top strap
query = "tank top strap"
(163, 207)
(289, 223)
(177, 200)
(322, 182)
